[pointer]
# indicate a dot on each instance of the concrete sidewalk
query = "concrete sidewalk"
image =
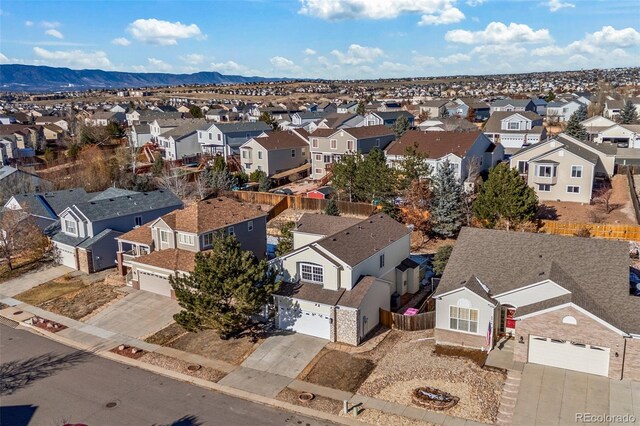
(25, 282)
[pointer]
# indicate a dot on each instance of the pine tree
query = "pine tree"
(441, 258)
(582, 113)
(401, 126)
(264, 184)
(158, 165)
(344, 174)
(270, 120)
(196, 111)
(332, 208)
(412, 166)
(374, 178)
(361, 108)
(628, 114)
(574, 128)
(285, 242)
(505, 198)
(227, 286)
(447, 208)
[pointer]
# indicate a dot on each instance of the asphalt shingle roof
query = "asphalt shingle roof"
(322, 224)
(127, 205)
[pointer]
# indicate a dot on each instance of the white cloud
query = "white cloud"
(192, 58)
(455, 58)
(28, 23)
(551, 50)
(231, 67)
(499, 33)
(474, 3)
(357, 54)
(121, 41)
(54, 33)
(163, 33)
(432, 11)
(158, 65)
(556, 5)
(309, 51)
(609, 36)
(50, 24)
(597, 43)
(3, 59)
(282, 63)
(72, 58)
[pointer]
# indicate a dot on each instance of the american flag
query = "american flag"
(489, 334)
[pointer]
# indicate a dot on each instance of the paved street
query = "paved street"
(45, 383)
(553, 396)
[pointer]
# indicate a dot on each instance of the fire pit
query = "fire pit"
(433, 399)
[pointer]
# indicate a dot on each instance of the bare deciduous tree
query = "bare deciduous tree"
(174, 182)
(19, 236)
(603, 196)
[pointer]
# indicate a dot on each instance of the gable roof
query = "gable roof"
(435, 144)
(211, 215)
(186, 129)
(258, 126)
(362, 240)
(169, 259)
(365, 132)
(322, 224)
(107, 208)
(580, 265)
(386, 115)
(50, 204)
(494, 123)
(280, 140)
(514, 102)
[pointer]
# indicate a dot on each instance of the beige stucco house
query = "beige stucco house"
(547, 292)
(274, 152)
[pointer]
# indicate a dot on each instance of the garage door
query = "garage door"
(304, 322)
(154, 283)
(67, 256)
(569, 355)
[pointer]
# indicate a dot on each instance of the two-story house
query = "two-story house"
(348, 108)
(274, 152)
(563, 168)
(513, 130)
(434, 108)
(547, 293)
(388, 118)
(512, 105)
(467, 152)
(596, 124)
(561, 110)
(341, 273)
(182, 141)
(226, 138)
(151, 253)
(86, 240)
(327, 145)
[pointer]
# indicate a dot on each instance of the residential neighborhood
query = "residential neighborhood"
(320, 212)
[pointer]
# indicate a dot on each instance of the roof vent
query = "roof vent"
(370, 221)
(541, 274)
(333, 239)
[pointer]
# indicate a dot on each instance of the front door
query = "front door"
(510, 323)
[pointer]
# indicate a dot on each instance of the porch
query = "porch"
(502, 355)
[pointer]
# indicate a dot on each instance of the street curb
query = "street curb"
(238, 393)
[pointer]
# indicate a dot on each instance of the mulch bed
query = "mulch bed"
(475, 355)
(45, 324)
(128, 351)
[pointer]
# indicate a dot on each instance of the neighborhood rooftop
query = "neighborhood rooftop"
(434, 144)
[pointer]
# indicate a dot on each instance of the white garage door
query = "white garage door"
(571, 356)
(304, 322)
(154, 283)
(67, 256)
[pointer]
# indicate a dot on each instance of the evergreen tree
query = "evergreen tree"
(574, 128)
(270, 120)
(413, 166)
(227, 286)
(285, 242)
(219, 179)
(361, 108)
(447, 205)
(344, 173)
(196, 111)
(158, 165)
(390, 209)
(550, 96)
(628, 114)
(401, 126)
(505, 198)
(332, 208)
(257, 176)
(264, 184)
(441, 258)
(582, 113)
(374, 178)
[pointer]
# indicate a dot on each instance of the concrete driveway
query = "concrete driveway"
(25, 282)
(553, 396)
(139, 314)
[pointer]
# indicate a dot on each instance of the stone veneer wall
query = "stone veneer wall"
(587, 331)
(85, 261)
(347, 326)
(455, 338)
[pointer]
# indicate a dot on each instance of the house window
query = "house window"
(164, 236)
(544, 187)
(211, 136)
(138, 220)
(186, 239)
(382, 260)
(573, 189)
(333, 144)
(378, 143)
(244, 154)
(303, 152)
(219, 137)
(318, 171)
(260, 168)
(314, 143)
(576, 171)
(259, 155)
(293, 153)
(250, 226)
(318, 157)
(349, 145)
(523, 167)
(207, 239)
(231, 230)
(70, 227)
(546, 171)
(311, 272)
(327, 159)
(513, 125)
(463, 319)
(247, 166)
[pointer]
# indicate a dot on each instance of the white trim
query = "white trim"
(526, 287)
(579, 309)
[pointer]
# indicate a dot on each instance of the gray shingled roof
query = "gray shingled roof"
(69, 240)
(91, 241)
(243, 127)
(111, 193)
(311, 292)
(50, 204)
(515, 102)
(595, 271)
(186, 129)
(322, 224)
(127, 205)
(494, 122)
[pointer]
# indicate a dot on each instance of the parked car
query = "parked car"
(283, 191)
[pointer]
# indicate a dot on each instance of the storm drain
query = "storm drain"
(9, 322)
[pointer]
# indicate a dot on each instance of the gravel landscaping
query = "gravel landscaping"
(319, 403)
(180, 366)
(412, 363)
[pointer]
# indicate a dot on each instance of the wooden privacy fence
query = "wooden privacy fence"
(598, 230)
(283, 202)
(634, 195)
(424, 321)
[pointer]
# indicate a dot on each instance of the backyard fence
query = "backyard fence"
(633, 194)
(598, 230)
(283, 202)
(424, 321)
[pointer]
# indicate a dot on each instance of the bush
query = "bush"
(257, 175)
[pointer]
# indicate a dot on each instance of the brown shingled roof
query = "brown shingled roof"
(435, 144)
(353, 298)
(322, 224)
(280, 140)
(311, 292)
(363, 132)
(170, 259)
(141, 234)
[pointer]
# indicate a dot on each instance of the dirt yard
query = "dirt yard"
(205, 343)
(74, 296)
(412, 363)
(180, 366)
(319, 403)
(620, 201)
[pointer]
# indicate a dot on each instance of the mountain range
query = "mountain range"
(33, 78)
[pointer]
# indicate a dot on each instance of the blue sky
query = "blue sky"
(323, 38)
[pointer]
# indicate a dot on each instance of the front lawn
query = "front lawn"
(50, 290)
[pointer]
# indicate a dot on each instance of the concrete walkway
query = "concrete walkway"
(25, 282)
(502, 356)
